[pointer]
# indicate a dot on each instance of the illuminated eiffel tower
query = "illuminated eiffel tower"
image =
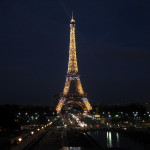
(79, 97)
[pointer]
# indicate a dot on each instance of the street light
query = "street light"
(19, 139)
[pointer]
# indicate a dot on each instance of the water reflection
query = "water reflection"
(71, 148)
(109, 140)
(117, 136)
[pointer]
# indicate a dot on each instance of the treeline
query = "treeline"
(130, 108)
(12, 117)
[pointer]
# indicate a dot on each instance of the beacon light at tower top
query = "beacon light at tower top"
(73, 77)
(72, 18)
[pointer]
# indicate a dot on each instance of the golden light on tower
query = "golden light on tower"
(72, 64)
(73, 76)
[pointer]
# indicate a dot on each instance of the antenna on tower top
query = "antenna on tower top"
(72, 14)
(72, 19)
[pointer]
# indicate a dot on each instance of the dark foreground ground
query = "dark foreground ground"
(71, 139)
(66, 140)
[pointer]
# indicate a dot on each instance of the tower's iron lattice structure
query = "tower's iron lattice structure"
(79, 96)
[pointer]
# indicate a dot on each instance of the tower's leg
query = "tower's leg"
(60, 104)
(79, 86)
(87, 104)
(66, 87)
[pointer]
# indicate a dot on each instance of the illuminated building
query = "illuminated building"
(78, 97)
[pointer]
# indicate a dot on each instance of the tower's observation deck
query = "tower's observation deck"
(79, 96)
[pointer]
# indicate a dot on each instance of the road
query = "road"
(64, 140)
(51, 141)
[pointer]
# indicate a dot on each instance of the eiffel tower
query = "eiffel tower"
(78, 97)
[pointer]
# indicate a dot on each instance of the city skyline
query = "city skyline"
(112, 47)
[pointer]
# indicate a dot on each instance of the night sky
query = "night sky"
(113, 49)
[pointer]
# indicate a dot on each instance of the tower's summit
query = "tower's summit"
(72, 19)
